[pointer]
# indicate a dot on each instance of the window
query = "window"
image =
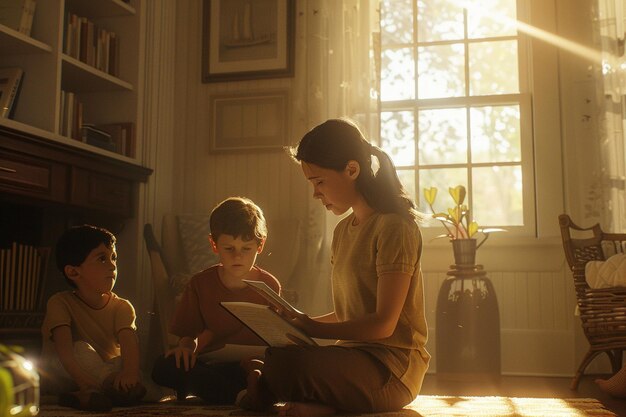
(454, 109)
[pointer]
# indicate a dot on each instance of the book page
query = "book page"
(232, 353)
(266, 323)
(270, 295)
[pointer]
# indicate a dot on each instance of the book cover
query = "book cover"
(266, 323)
(122, 136)
(17, 15)
(10, 83)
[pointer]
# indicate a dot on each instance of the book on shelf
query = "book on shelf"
(122, 136)
(91, 44)
(21, 269)
(18, 15)
(10, 85)
(97, 137)
(71, 115)
(264, 321)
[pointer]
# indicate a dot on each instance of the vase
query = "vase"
(464, 251)
(467, 323)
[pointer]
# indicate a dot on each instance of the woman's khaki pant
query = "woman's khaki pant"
(345, 378)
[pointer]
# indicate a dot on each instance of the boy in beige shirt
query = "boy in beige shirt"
(90, 345)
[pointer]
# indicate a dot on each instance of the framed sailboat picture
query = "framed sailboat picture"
(247, 39)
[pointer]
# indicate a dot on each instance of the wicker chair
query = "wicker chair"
(602, 311)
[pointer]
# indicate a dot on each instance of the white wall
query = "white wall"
(540, 334)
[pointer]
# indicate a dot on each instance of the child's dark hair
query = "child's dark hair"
(77, 242)
(238, 217)
(335, 142)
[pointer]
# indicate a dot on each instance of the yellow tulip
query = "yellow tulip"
(430, 194)
(472, 229)
(458, 194)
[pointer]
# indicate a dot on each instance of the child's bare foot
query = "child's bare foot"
(297, 409)
(615, 386)
(250, 365)
(250, 398)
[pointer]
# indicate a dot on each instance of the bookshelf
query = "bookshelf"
(49, 180)
(107, 97)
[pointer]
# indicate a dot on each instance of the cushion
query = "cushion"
(194, 234)
(609, 273)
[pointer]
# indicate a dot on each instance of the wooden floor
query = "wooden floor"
(519, 386)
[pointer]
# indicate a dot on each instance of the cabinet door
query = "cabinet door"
(101, 192)
(32, 177)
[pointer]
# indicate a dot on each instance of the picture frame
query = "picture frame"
(247, 39)
(249, 121)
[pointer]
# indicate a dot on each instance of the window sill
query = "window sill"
(500, 254)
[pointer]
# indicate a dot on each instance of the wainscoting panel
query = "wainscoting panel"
(537, 321)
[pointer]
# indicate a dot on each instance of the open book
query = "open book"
(266, 323)
(232, 353)
(263, 320)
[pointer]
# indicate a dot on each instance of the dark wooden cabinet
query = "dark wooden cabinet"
(35, 177)
(46, 185)
(43, 171)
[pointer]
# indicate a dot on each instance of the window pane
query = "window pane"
(442, 179)
(441, 71)
(396, 22)
(398, 136)
(496, 134)
(397, 75)
(497, 193)
(489, 18)
(407, 178)
(439, 20)
(442, 136)
(493, 68)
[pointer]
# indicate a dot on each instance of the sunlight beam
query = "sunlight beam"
(543, 35)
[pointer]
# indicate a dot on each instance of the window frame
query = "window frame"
(523, 99)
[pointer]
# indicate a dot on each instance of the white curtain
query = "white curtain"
(335, 76)
(610, 28)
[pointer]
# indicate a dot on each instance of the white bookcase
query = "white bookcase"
(48, 70)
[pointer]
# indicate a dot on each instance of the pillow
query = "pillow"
(178, 282)
(609, 273)
(194, 235)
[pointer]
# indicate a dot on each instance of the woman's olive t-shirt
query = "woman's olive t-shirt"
(363, 254)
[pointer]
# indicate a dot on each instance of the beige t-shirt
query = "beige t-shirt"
(363, 254)
(97, 327)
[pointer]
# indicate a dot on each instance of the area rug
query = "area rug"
(423, 406)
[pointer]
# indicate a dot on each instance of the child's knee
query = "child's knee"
(83, 348)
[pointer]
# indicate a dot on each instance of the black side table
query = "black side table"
(468, 323)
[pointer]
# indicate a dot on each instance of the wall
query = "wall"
(540, 334)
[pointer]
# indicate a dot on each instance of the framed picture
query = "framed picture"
(247, 39)
(249, 121)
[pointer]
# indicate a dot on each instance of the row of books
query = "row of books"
(18, 15)
(10, 85)
(114, 137)
(91, 44)
(22, 268)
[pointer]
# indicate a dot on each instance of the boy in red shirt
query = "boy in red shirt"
(238, 233)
